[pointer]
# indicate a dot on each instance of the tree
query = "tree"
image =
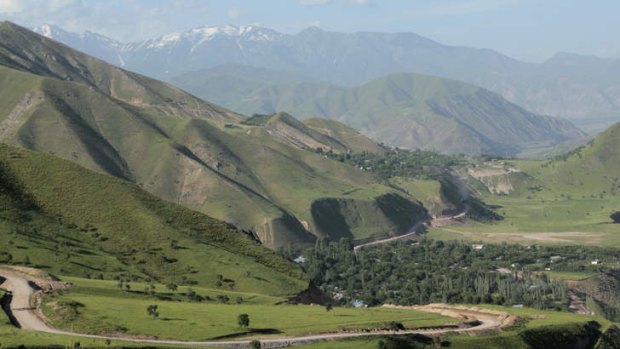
(152, 311)
(255, 344)
(395, 326)
(243, 320)
(616, 217)
(191, 294)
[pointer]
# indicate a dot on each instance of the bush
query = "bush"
(395, 326)
(243, 320)
(616, 217)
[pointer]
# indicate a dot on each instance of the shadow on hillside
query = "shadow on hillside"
(250, 331)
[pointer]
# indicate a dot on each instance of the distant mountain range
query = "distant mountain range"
(583, 89)
(404, 110)
(62, 102)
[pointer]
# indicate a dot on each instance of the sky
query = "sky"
(530, 30)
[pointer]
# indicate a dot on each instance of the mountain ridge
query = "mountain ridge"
(591, 100)
(172, 144)
(406, 110)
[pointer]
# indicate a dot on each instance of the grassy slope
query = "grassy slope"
(353, 140)
(562, 324)
(288, 129)
(105, 308)
(427, 190)
(170, 143)
(577, 194)
(103, 225)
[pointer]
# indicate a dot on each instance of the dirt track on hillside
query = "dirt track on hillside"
(25, 310)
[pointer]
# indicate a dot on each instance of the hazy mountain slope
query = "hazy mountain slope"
(102, 226)
(583, 89)
(250, 90)
(405, 110)
(594, 168)
(174, 145)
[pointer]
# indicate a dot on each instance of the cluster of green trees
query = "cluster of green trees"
(429, 271)
(397, 162)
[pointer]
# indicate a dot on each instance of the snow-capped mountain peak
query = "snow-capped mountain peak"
(199, 35)
(45, 30)
(49, 31)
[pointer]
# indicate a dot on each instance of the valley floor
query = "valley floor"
(298, 325)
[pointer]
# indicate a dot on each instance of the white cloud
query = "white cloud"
(360, 2)
(314, 2)
(458, 8)
(234, 12)
(325, 2)
(11, 6)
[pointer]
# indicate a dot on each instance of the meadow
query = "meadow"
(553, 202)
(95, 306)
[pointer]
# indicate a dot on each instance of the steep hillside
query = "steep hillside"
(405, 110)
(312, 134)
(601, 292)
(594, 168)
(581, 88)
(104, 227)
(352, 139)
(172, 144)
(285, 127)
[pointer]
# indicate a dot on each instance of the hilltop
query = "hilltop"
(593, 167)
(323, 134)
(174, 145)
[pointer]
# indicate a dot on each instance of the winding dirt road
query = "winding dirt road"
(23, 308)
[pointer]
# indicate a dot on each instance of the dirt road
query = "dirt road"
(24, 309)
(414, 231)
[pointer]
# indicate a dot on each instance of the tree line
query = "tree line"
(427, 271)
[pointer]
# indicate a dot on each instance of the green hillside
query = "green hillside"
(65, 219)
(352, 139)
(313, 134)
(593, 168)
(567, 200)
(404, 110)
(180, 148)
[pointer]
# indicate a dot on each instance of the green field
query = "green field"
(563, 201)
(509, 338)
(104, 308)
